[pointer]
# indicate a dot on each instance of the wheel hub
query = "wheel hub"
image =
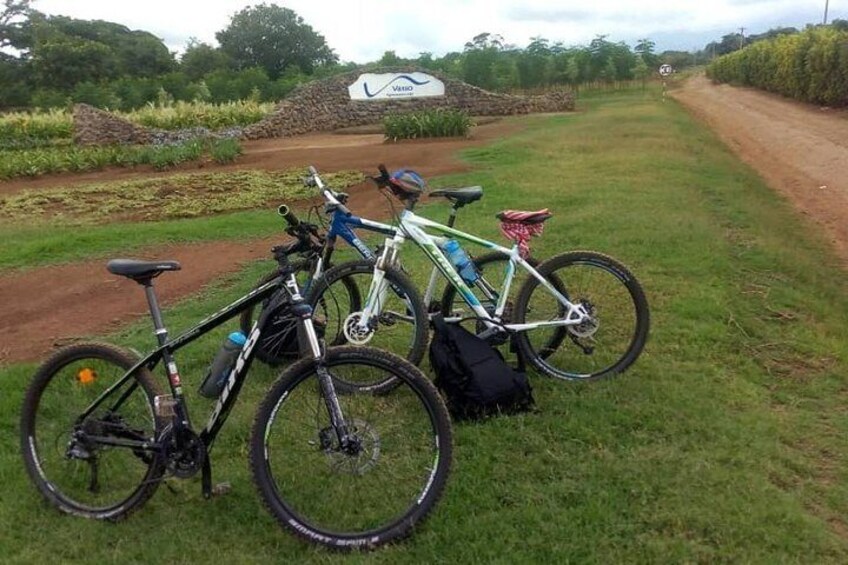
(360, 453)
(354, 332)
(589, 326)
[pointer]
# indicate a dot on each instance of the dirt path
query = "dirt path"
(46, 306)
(49, 306)
(801, 150)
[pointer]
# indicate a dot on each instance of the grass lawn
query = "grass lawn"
(725, 442)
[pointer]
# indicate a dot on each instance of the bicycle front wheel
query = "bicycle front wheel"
(376, 489)
(71, 461)
(612, 337)
(401, 327)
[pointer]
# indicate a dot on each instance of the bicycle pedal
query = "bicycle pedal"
(221, 489)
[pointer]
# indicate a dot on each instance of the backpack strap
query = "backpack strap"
(513, 347)
(439, 323)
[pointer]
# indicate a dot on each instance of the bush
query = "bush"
(427, 123)
(225, 151)
(811, 66)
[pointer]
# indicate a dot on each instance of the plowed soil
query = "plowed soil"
(44, 307)
(801, 150)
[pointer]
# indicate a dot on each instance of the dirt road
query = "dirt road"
(46, 306)
(801, 150)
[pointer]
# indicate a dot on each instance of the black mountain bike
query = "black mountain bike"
(335, 464)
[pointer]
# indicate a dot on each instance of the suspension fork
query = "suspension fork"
(325, 380)
(379, 286)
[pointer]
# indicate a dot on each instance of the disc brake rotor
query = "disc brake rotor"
(354, 332)
(588, 327)
(359, 458)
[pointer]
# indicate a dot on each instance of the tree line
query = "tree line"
(50, 61)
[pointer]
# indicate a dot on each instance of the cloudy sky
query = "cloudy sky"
(361, 30)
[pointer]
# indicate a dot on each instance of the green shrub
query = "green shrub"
(811, 66)
(225, 151)
(427, 123)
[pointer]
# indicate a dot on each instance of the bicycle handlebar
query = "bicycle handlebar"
(314, 180)
(288, 216)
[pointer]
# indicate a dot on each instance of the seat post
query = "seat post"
(155, 312)
(452, 217)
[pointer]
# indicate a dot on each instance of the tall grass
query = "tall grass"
(183, 115)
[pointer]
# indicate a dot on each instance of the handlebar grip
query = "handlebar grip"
(288, 215)
(383, 171)
(313, 170)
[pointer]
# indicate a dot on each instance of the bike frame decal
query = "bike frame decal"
(340, 226)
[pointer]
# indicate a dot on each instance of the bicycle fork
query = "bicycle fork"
(325, 380)
(379, 287)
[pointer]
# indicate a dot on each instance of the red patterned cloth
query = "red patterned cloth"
(516, 227)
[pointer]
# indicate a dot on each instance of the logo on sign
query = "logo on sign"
(395, 85)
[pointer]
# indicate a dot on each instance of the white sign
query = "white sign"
(666, 70)
(372, 86)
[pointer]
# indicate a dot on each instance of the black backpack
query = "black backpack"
(473, 376)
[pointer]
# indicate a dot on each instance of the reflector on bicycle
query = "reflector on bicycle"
(86, 376)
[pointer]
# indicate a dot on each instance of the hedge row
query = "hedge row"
(811, 66)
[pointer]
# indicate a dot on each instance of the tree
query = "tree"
(13, 21)
(645, 49)
(61, 61)
(390, 59)
(200, 59)
(274, 38)
(641, 70)
(485, 40)
(533, 63)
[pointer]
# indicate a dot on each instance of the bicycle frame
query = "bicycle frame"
(342, 225)
(413, 227)
(237, 375)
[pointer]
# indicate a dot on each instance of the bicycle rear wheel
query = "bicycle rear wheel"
(358, 497)
(74, 472)
(608, 342)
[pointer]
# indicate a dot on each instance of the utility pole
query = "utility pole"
(742, 36)
(826, 2)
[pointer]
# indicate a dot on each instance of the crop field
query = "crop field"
(55, 127)
(726, 441)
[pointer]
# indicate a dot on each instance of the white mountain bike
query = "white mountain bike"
(580, 315)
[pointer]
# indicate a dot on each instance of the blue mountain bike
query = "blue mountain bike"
(404, 312)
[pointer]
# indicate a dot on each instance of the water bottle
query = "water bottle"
(461, 261)
(221, 366)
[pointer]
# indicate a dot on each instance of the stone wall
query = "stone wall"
(326, 105)
(97, 127)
